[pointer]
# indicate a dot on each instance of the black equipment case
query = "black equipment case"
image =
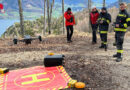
(53, 60)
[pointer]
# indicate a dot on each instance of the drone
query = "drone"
(27, 39)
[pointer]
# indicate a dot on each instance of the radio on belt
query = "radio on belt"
(53, 60)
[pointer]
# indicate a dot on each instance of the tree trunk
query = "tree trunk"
(119, 2)
(89, 9)
(63, 16)
(48, 16)
(44, 31)
(21, 17)
(49, 13)
(104, 3)
(52, 4)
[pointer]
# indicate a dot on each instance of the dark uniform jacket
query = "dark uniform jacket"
(106, 18)
(123, 20)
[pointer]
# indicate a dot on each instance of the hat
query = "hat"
(104, 8)
(93, 7)
(69, 9)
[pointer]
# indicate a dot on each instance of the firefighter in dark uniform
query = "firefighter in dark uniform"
(104, 21)
(121, 24)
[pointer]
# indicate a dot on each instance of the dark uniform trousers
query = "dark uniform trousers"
(103, 38)
(119, 41)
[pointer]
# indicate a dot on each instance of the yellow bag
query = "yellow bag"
(4, 70)
(71, 83)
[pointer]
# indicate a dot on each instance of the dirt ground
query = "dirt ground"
(83, 61)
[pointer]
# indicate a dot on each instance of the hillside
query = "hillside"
(35, 8)
(115, 4)
(36, 26)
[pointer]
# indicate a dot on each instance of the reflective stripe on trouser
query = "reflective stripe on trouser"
(119, 41)
(120, 51)
(103, 38)
(105, 43)
(103, 32)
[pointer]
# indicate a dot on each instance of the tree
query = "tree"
(44, 31)
(120, 1)
(21, 17)
(49, 13)
(104, 3)
(52, 4)
(89, 9)
(63, 16)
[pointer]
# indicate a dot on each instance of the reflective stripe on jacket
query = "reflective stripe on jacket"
(123, 20)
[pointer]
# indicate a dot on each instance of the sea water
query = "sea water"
(5, 24)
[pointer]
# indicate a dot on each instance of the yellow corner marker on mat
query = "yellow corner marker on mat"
(79, 85)
(4, 70)
(51, 54)
(71, 83)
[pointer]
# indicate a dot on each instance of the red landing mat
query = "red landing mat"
(35, 78)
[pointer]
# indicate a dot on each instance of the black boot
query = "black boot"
(102, 46)
(115, 56)
(94, 43)
(119, 57)
(71, 41)
(68, 41)
(105, 46)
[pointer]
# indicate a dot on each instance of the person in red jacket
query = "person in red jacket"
(93, 19)
(69, 21)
